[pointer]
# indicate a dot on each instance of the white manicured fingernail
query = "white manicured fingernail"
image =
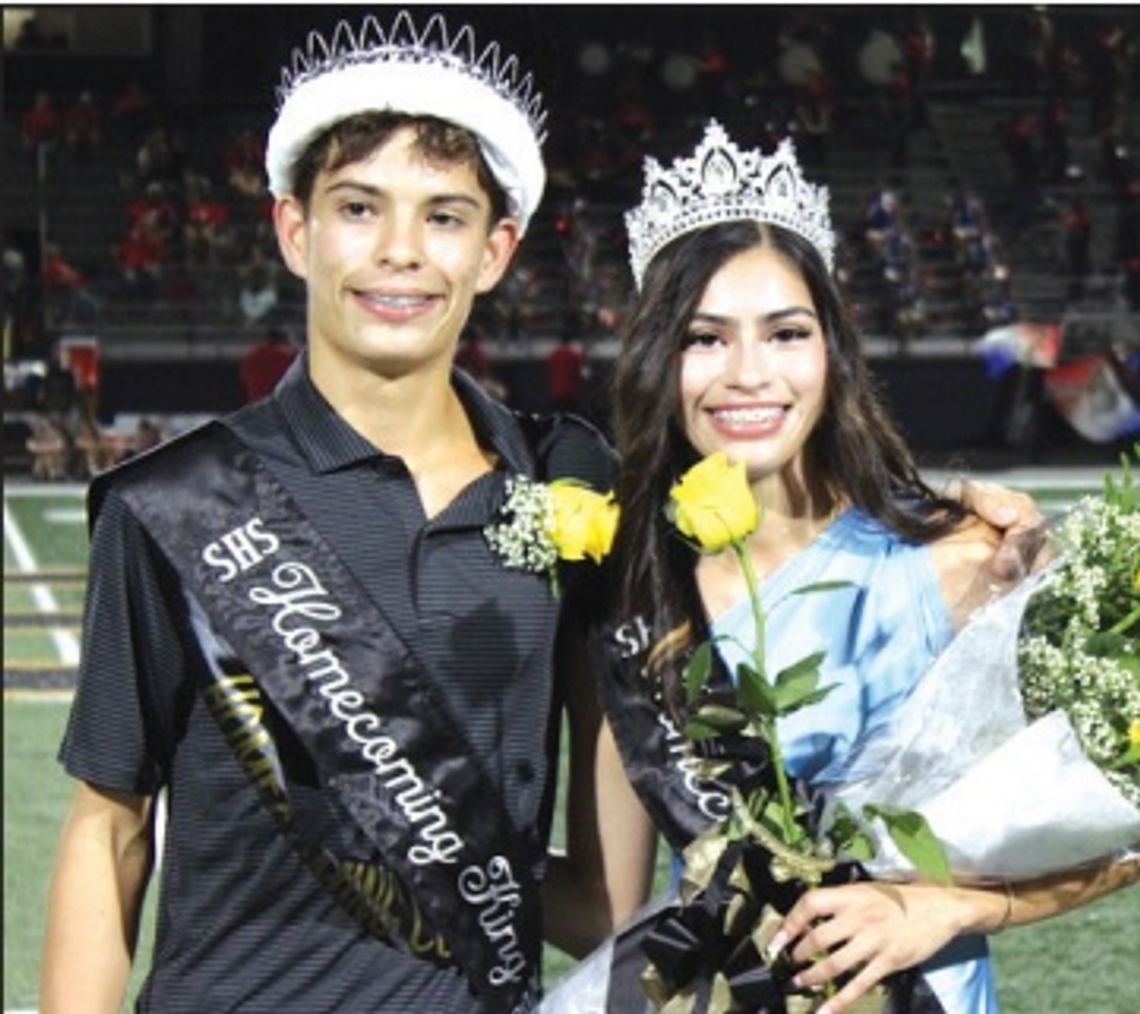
(778, 943)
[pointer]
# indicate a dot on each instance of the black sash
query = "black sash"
(659, 761)
(457, 877)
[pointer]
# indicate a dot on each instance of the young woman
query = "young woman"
(739, 343)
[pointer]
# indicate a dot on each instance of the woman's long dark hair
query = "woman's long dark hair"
(854, 453)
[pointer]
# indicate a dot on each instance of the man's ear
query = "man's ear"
(292, 234)
(502, 241)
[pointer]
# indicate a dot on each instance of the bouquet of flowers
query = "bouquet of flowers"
(1021, 745)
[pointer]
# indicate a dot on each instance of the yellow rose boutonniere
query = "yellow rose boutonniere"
(563, 520)
(581, 523)
(713, 504)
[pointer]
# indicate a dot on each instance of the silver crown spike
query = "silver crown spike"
(403, 30)
(371, 34)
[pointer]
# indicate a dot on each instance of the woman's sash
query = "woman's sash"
(457, 878)
(659, 760)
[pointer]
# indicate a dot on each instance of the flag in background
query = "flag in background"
(1091, 395)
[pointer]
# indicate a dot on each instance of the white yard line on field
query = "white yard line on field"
(66, 643)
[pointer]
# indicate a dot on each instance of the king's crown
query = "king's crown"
(403, 43)
(720, 183)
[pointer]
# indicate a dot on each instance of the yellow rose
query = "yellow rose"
(1134, 732)
(713, 503)
(581, 522)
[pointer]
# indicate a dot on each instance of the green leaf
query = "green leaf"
(696, 675)
(1105, 644)
(912, 835)
(809, 663)
(784, 825)
(754, 691)
(721, 717)
(818, 586)
(1129, 758)
(797, 685)
(697, 730)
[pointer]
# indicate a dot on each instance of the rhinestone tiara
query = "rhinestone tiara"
(721, 183)
(421, 72)
(404, 43)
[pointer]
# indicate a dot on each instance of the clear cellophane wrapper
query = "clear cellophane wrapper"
(1007, 797)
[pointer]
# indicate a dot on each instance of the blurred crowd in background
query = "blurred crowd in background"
(155, 220)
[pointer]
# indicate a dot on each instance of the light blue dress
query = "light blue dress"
(880, 633)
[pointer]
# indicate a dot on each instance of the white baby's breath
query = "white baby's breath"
(524, 542)
(1068, 658)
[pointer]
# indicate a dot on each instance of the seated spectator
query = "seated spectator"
(41, 125)
(68, 298)
(47, 445)
(207, 227)
(139, 257)
(265, 363)
(258, 296)
(156, 203)
(154, 157)
(98, 453)
(967, 216)
(147, 436)
(83, 126)
(131, 111)
(244, 159)
(881, 216)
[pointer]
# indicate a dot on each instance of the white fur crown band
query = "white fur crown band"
(422, 73)
(720, 183)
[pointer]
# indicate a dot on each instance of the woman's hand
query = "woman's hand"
(869, 929)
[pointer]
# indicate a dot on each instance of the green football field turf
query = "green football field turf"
(1084, 961)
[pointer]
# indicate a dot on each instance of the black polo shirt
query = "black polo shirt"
(242, 924)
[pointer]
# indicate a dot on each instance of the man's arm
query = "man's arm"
(607, 870)
(101, 871)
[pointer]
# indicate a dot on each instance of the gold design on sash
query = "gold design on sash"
(364, 889)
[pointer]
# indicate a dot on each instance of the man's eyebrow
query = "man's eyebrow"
(373, 191)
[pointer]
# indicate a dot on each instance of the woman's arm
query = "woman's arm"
(100, 877)
(885, 927)
(607, 870)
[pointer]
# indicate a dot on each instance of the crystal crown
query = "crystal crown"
(721, 183)
(404, 43)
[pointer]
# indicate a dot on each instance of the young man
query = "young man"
(298, 629)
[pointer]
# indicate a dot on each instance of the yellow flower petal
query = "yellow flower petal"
(582, 523)
(713, 503)
(1134, 732)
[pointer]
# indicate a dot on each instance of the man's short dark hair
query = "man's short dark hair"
(356, 137)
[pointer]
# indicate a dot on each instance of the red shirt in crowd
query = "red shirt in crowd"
(262, 366)
(41, 123)
(142, 250)
(565, 375)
